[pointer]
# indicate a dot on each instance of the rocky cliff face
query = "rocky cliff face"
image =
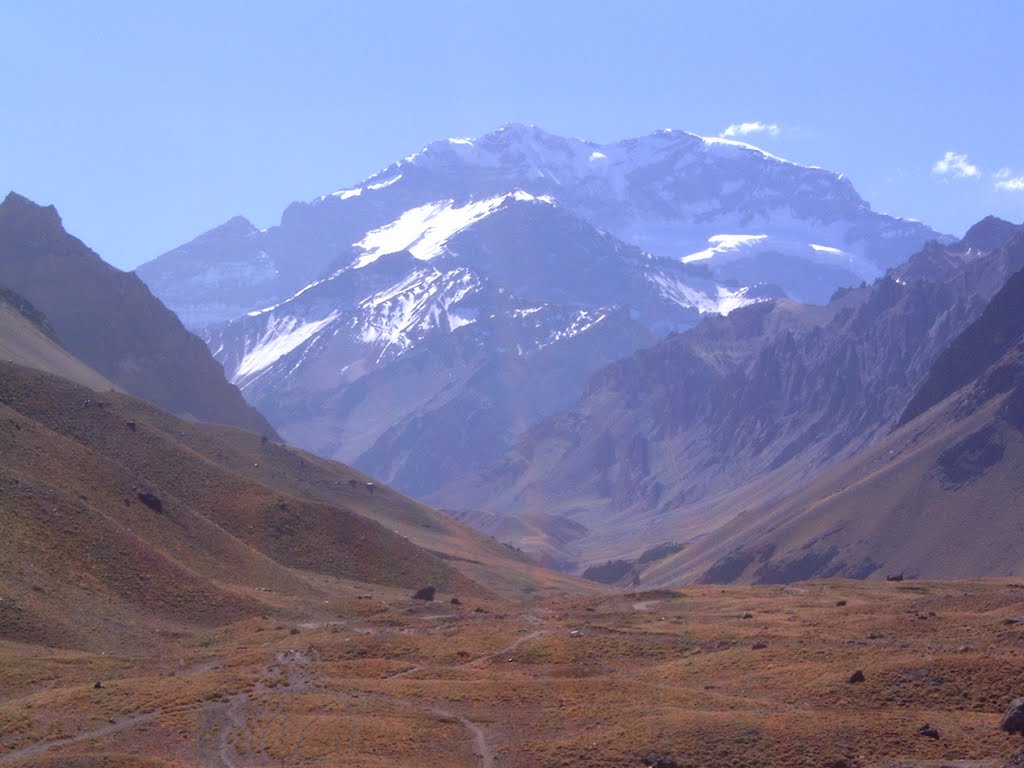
(939, 497)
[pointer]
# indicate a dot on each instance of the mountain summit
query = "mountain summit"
(416, 323)
(745, 214)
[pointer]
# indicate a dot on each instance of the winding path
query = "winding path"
(97, 733)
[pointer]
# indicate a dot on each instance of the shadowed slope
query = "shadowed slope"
(110, 320)
(941, 496)
(26, 338)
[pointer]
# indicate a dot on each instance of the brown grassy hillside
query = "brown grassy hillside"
(120, 521)
(27, 339)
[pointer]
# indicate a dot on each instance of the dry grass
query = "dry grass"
(674, 675)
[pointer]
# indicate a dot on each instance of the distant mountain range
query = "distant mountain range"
(417, 323)
(729, 206)
(940, 497)
(675, 440)
(647, 418)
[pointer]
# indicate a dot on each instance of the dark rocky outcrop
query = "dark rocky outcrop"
(1013, 720)
(151, 500)
(425, 593)
(977, 348)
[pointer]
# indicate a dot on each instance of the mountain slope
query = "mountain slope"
(941, 496)
(373, 357)
(121, 520)
(110, 321)
(663, 443)
(26, 338)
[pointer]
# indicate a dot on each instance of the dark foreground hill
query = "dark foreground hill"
(110, 320)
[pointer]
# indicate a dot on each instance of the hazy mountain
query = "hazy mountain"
(358, 365)
(673, 440)
(110, 321)
(482, 281)
(940, 497)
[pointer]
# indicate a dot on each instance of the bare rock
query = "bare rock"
(1013, 720)
(426, 593)
(151, 500)
(857, 677)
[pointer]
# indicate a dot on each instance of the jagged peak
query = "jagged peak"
(18, 208)
(990, 233)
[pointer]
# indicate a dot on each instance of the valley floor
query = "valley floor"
(703, 676)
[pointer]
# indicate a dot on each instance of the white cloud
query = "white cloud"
(1003, 173)
(1011, 183)
(745, 129)
(956, 164)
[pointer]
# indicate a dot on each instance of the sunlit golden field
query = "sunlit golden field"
(706, 676)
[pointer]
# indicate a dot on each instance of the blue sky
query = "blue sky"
(147, 123)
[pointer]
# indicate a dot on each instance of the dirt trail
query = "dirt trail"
(507, 649)
(479, 659)
(225, 738)
(97, 733)
(222, 726)
(483, 748)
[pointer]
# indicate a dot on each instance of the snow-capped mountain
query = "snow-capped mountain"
(375, 323)
(667, 193)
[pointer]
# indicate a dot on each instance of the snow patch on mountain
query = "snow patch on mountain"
(722, 301)
(297, 294)
(345, 194)
(713, 140)
(721, 244)
(419, 303)
(385, 183)
(727, 248)
(282, 335)
(825, 248)
(583, 321)
(424, 230)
